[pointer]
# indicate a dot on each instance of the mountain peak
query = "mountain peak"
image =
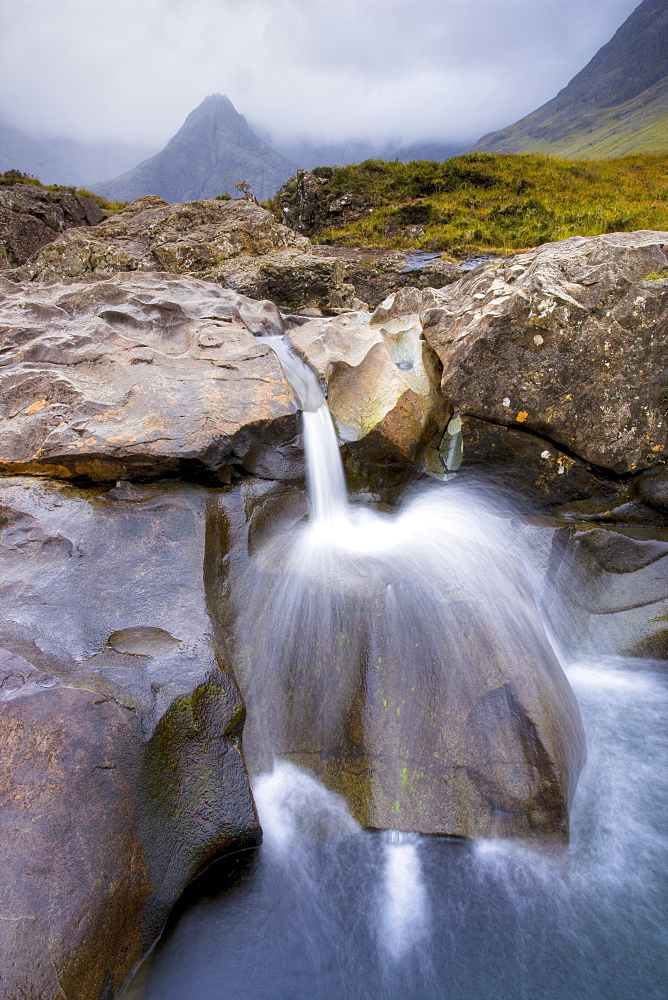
(214, 149)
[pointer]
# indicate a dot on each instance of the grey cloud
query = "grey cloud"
(425, 69)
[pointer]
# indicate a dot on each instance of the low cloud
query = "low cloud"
(330, 69)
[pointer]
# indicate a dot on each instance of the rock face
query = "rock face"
(121, 775)
(32, 216)
(150, 235)
(142, 375)
(213, 150)
(382, 380)
(566, 341)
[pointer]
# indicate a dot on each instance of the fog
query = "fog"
(130, 70)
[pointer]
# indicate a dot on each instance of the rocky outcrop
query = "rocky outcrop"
(214, 149)
(142, 375)
(150, 235)
(567, 342)
(236, 244)
(382, 380)
(32, 216)
(121, 775)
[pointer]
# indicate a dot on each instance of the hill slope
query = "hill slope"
(213, 150)
(616, 105)
(478, 203)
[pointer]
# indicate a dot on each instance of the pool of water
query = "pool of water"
(327, 910)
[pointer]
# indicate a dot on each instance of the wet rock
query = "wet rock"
(465, 726)
(32, 216)
(567, 341)
(375, 274)
(140, 375)
(613, 581)
(652, 488)
(121, 775)
(382, 380)
(520, 461)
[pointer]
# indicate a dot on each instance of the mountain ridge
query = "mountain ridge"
(616, 105)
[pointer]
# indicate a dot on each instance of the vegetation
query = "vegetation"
(485, 202)
(16, 177)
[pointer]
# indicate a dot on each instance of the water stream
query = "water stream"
(329, 910)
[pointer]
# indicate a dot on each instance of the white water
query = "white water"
(330, 911)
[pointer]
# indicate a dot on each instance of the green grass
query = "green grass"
(16, 177)
(484, 202)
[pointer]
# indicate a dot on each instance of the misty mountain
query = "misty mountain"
(214, 149)
(61, 160)
(310, 153)
(618, 104)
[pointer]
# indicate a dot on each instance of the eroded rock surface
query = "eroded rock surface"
(234, 243)
(613, 581)
(568, 341)
(382, 379)
(140, 375)
(121, 775)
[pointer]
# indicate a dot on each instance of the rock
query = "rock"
(652, 488)
(520, 461)
(568, 341)
(613, 584)
(32, 216)
(306, 205)
(382, 380)
(141, 375)
(439, 709)
(375, 274)
(296, 281)
(149, 235)
(121, 775)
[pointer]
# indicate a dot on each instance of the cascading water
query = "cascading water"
(369, 642)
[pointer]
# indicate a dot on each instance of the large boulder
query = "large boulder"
(566, 341)
(32, 216)
(382, 379)
(413, 677)
(141, 375)
(121, 775)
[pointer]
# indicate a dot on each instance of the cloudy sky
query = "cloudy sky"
(332, 69)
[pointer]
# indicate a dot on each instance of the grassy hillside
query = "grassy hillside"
(639, 125)
(616, 105)
(484, 202)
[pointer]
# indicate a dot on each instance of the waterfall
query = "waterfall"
(359, 632)
(325, 478)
